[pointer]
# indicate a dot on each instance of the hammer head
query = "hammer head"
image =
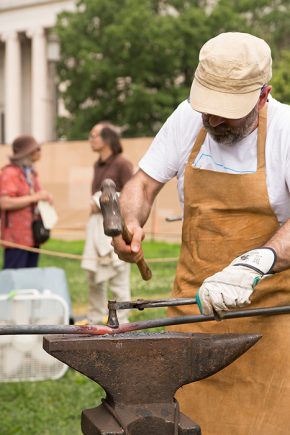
(110, 208)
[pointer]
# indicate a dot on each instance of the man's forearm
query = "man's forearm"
(280, 242)
(137, 198)
(136, 201)
(134, 205)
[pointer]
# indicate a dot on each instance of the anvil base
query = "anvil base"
(137, 420)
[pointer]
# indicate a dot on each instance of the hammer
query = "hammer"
(114, 224)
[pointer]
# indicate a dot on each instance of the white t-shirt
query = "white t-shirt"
(170, 149)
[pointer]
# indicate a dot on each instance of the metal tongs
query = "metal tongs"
(141, 304)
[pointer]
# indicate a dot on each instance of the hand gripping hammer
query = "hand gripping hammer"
(114, 224)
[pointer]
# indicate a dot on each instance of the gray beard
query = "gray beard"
(231, 135)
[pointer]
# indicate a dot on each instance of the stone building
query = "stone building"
(28, 51)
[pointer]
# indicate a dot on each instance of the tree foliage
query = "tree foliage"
(132, 62)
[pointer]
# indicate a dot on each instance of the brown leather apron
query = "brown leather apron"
(224, 216)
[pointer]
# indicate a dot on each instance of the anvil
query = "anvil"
(140, 373)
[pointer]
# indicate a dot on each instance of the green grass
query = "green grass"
(54, 407)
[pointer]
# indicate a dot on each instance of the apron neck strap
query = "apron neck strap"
(262, 134)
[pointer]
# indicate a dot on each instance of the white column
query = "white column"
(38, 83)
(12, 71)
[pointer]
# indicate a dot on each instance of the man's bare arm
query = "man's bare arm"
(137, 198)
(136, 201)
(280, 242)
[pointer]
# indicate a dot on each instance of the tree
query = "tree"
(132, 62)
(281, 78)
(119, 62)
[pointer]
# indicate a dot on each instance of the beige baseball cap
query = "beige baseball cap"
(232, 69)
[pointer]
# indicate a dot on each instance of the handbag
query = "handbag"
(40, 233)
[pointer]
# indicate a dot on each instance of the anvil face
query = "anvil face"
(143, 368)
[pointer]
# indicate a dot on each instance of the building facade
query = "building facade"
(28, 52)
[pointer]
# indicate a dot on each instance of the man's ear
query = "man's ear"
(264, 97)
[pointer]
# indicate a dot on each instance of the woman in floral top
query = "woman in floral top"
(19, 193)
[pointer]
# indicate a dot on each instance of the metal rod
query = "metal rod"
(167, 303)
(151, 303)
(146, 324)
(173, 218)
(135, 326)
(53, 329)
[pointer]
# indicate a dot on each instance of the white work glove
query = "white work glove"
(233, 286)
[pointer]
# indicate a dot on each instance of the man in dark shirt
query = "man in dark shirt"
(104, 269)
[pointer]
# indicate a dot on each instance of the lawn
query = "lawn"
(54, 407)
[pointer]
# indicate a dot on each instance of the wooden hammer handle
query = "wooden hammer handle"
(142, 265)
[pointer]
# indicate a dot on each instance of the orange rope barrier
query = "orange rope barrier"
(7, 244)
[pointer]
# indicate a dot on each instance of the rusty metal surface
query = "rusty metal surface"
(109, 203)
(141, 372)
